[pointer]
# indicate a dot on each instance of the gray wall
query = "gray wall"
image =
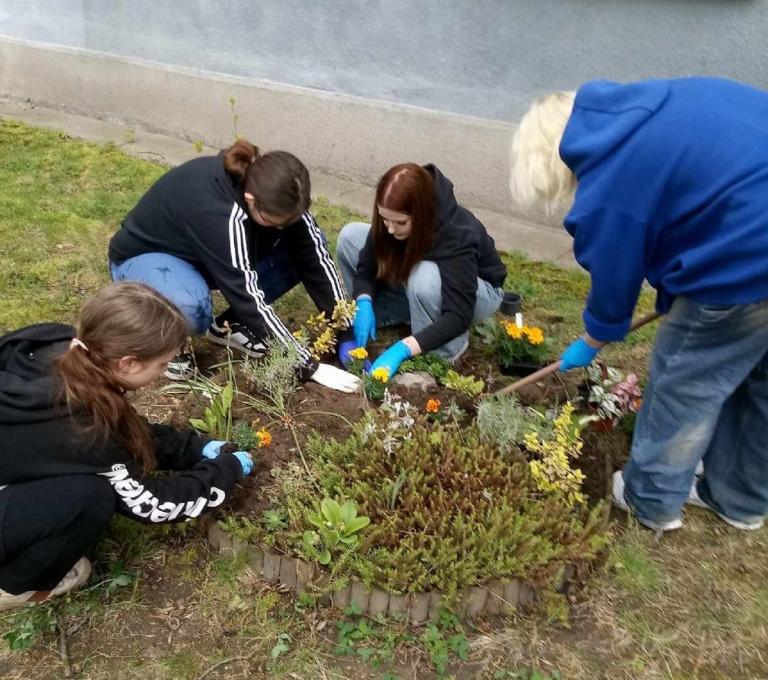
(484, 58)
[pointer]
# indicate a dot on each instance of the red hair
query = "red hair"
(406, 188)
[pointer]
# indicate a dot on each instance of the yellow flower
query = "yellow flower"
(264, 437)
(514, 331)
(535, 335)
(358, 353)
(380, 374)
(433, 406)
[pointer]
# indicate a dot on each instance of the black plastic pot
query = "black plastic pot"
(511, 304)
(520, 368)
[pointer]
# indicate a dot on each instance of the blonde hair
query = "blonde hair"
(538, 176)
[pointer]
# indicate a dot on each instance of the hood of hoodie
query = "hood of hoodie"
(27, 389)
(604, 115)
(445, 200)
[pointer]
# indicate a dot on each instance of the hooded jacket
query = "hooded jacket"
(196, 213)
(463, 252)
(40, 438)
(672, 187)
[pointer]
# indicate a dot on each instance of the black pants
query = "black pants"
(47, 526)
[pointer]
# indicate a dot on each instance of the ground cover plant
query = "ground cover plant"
(161, 605)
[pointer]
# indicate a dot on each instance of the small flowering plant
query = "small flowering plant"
(432, 409)
(375, 383)
(263, 437)
(611, 394)
(515, 344)
(319, 333)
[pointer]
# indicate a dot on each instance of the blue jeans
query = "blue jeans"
(419, 301)
(188, 289)
(707, 398)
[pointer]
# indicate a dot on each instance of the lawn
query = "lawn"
(162, 605)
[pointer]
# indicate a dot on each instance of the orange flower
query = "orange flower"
(535, 335)
(433, 406)
(264, 437)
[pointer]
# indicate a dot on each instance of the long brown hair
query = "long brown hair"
(405, 188)
(278, 181)
(122, 319)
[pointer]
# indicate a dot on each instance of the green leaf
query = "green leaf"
(348, 512)
(199, 425)
(325, 557)
(356, 525)
(331, 510)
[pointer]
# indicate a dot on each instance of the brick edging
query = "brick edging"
(293, 574)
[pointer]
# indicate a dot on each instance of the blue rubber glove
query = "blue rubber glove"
(364, 325)
(577, 354)
(246, 462)
(344, 349)
(392, 358)
(212, 449)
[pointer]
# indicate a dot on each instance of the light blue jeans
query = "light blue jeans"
(707, 398)
(188, 289)
(420, 300)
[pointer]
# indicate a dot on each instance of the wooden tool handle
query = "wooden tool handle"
(551, 368)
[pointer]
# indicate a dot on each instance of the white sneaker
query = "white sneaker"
(695, 499)
(73, 579)
(620, 502)
(8, 601)
(235, 337)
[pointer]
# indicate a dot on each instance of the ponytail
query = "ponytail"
(123, 319)
(238, 158)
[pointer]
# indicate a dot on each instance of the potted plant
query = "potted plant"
(521, 349)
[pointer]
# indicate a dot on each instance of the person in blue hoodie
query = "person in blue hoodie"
(667, 181)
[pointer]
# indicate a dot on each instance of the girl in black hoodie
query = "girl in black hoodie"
(73, 450)
(424, 260)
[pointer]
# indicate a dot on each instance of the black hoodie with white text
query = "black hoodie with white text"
(41, 438)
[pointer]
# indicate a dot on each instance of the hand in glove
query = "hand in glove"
(345, 348)
(336, 379)
(578, 354)
(212, 449)
(246, 462)
(364, 325)
(391, 359)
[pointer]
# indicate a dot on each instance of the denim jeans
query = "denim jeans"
(188, 289)
(707, 398)
(419, 301)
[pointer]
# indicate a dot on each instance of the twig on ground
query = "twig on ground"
(63, 651)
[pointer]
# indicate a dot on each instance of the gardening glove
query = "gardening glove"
(578, 354)
(364, 325)
(212, 449)
(345, 348)
(336, 379)
(391, 359)
(246, 462)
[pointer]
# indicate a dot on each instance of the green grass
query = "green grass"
(694, 605)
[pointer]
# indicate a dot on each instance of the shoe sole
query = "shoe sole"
(743, 526)
(226, 343)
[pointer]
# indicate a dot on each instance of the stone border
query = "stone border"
(294, 574)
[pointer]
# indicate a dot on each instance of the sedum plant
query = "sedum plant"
(447, 508)
(504, 420)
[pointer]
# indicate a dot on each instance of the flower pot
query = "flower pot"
(603, 425)
(520, 369)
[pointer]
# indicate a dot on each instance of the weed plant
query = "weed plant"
(505, 421)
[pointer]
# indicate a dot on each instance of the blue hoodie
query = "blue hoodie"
(673, 188)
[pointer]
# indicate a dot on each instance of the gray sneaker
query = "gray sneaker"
(182, 367)
(695, 499)
(620, 502)
(72, 580)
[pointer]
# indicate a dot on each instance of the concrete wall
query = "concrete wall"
(336, 81)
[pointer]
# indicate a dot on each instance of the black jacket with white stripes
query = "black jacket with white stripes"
(197, 213)
(40, 438)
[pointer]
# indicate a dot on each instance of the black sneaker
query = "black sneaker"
(182, 367)
(235, 337)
